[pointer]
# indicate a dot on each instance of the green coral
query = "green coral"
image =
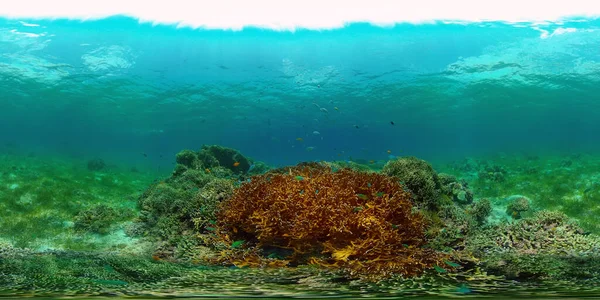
(419, 177)
(187, 158)
(458, 190)
(215, 155)
(175, 212)
(517, 206)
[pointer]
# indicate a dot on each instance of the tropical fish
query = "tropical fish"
(316, 132)
(310, 148)
(362, 196)
(207, 170)
(336, 108)
(371, 161)
(299, 178)
(235, 164)
(236, 244)
(299, 139)
(389, 151)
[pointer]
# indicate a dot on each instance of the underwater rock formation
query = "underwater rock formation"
(363, 223)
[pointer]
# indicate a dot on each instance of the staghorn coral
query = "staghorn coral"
(363, 223)
(546, 245)
(480, 210)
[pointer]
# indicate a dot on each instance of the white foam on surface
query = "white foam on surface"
(308, 14)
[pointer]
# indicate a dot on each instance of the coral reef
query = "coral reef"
(546, 245)
(481, 210)
(363, 223)
(214, 155)
(518, 205)
(223, 161)
(419, 177)
(176, 212)
(458, 190)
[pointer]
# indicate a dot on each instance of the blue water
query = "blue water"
(119, 88)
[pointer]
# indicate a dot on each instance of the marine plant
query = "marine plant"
(362, 223)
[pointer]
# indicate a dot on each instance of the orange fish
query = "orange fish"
(389, 151)
(156, 257)
(235, 164)
(207, 170)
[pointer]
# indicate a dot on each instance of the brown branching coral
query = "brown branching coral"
(363, 223)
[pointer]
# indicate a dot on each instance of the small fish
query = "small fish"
(145, 155)
(310, 148)
(363, 196)
(439, 269)
(392, 122)
(207, 170)
(299, 178)
(389, 152)
(235, 164)
(356, 126)
(322, 109)
(452, 264)
(464, 289)
(371, 161)
(336, 108)
(300, 139)
(236, 244)
(316, 132)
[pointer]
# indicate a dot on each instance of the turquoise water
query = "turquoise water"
(135, 94)
(450, 89)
